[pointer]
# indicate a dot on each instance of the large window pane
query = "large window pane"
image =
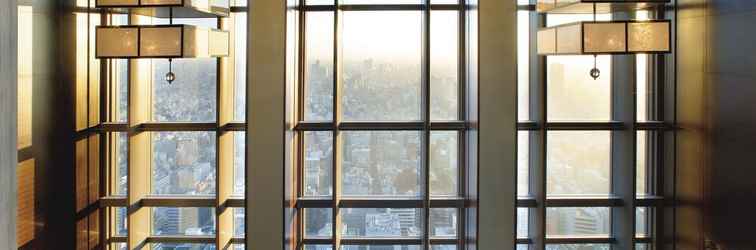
(523, 65)
(121, 169)
(444, 158)
(579, 247)
(318, 163)
(240, 64)
(121, 221)
(522, 222)
(571, 221)
(382, 163)
(176, 246)
(239, 222)
(183, 221)
(641, 162)
(444, 57)
(191, 97)
(240, 159)
(578, 163)
(319, 56)
(381, 66)
(572, 94)
(381, 222)
(318, 222)
(443, 222)
(381, 247)
(523, 163)
(183, 163)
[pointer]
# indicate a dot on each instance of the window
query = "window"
(174, 153)
(381, 123)
(582, 142)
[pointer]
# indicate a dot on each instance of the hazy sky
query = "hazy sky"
(393, 36)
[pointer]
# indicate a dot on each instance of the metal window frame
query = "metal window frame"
(426, 126)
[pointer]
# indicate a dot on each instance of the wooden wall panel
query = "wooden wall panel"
(93, 166)
(94, 75)
(82, 175)
(225, 188)
(81, 73)
(25, 75)
(25, 229)
(227, 75)
(140, 158)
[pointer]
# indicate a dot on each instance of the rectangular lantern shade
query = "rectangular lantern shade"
(158, 8)
(611, 37)
(602, 6)
(161, 41)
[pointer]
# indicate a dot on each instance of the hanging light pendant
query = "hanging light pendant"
(606, 37)
(602, 6)
(160, 41)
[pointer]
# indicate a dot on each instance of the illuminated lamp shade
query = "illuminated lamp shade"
(160, 41)
(610, 37)
(178, 8)
(602, 6)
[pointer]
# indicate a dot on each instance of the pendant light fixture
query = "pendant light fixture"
(162, 41)
(603, 37)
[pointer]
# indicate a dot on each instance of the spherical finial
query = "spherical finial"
(170, 77)
(595, 73)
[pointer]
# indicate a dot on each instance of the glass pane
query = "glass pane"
(177, 246)
(191, 97)
(642, 89)
(381, 247)
(642, 246)
(381, 72)
(319, 2)
(641, 162)
(121, 221)
(122, 163)
(523, 163)
(522, 222)
(443, 247)
(578, 163)
(523, 65)
(239, 222)
(121, 76)
(381, 222)
(183, 163)
(319, 78)
(444, 55)
(240, 64)
(118, 246)
(443, 222)
(444, 1)
(642, 219)
(381, 163)
(578, 247)
(374, 2)
(239, 162)
(318, 163)
(239, 247)
(522, 247)
(572, 94)
(318, 222)
(572, 221)
(318, 247)
(444, 158)
(183, 221)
